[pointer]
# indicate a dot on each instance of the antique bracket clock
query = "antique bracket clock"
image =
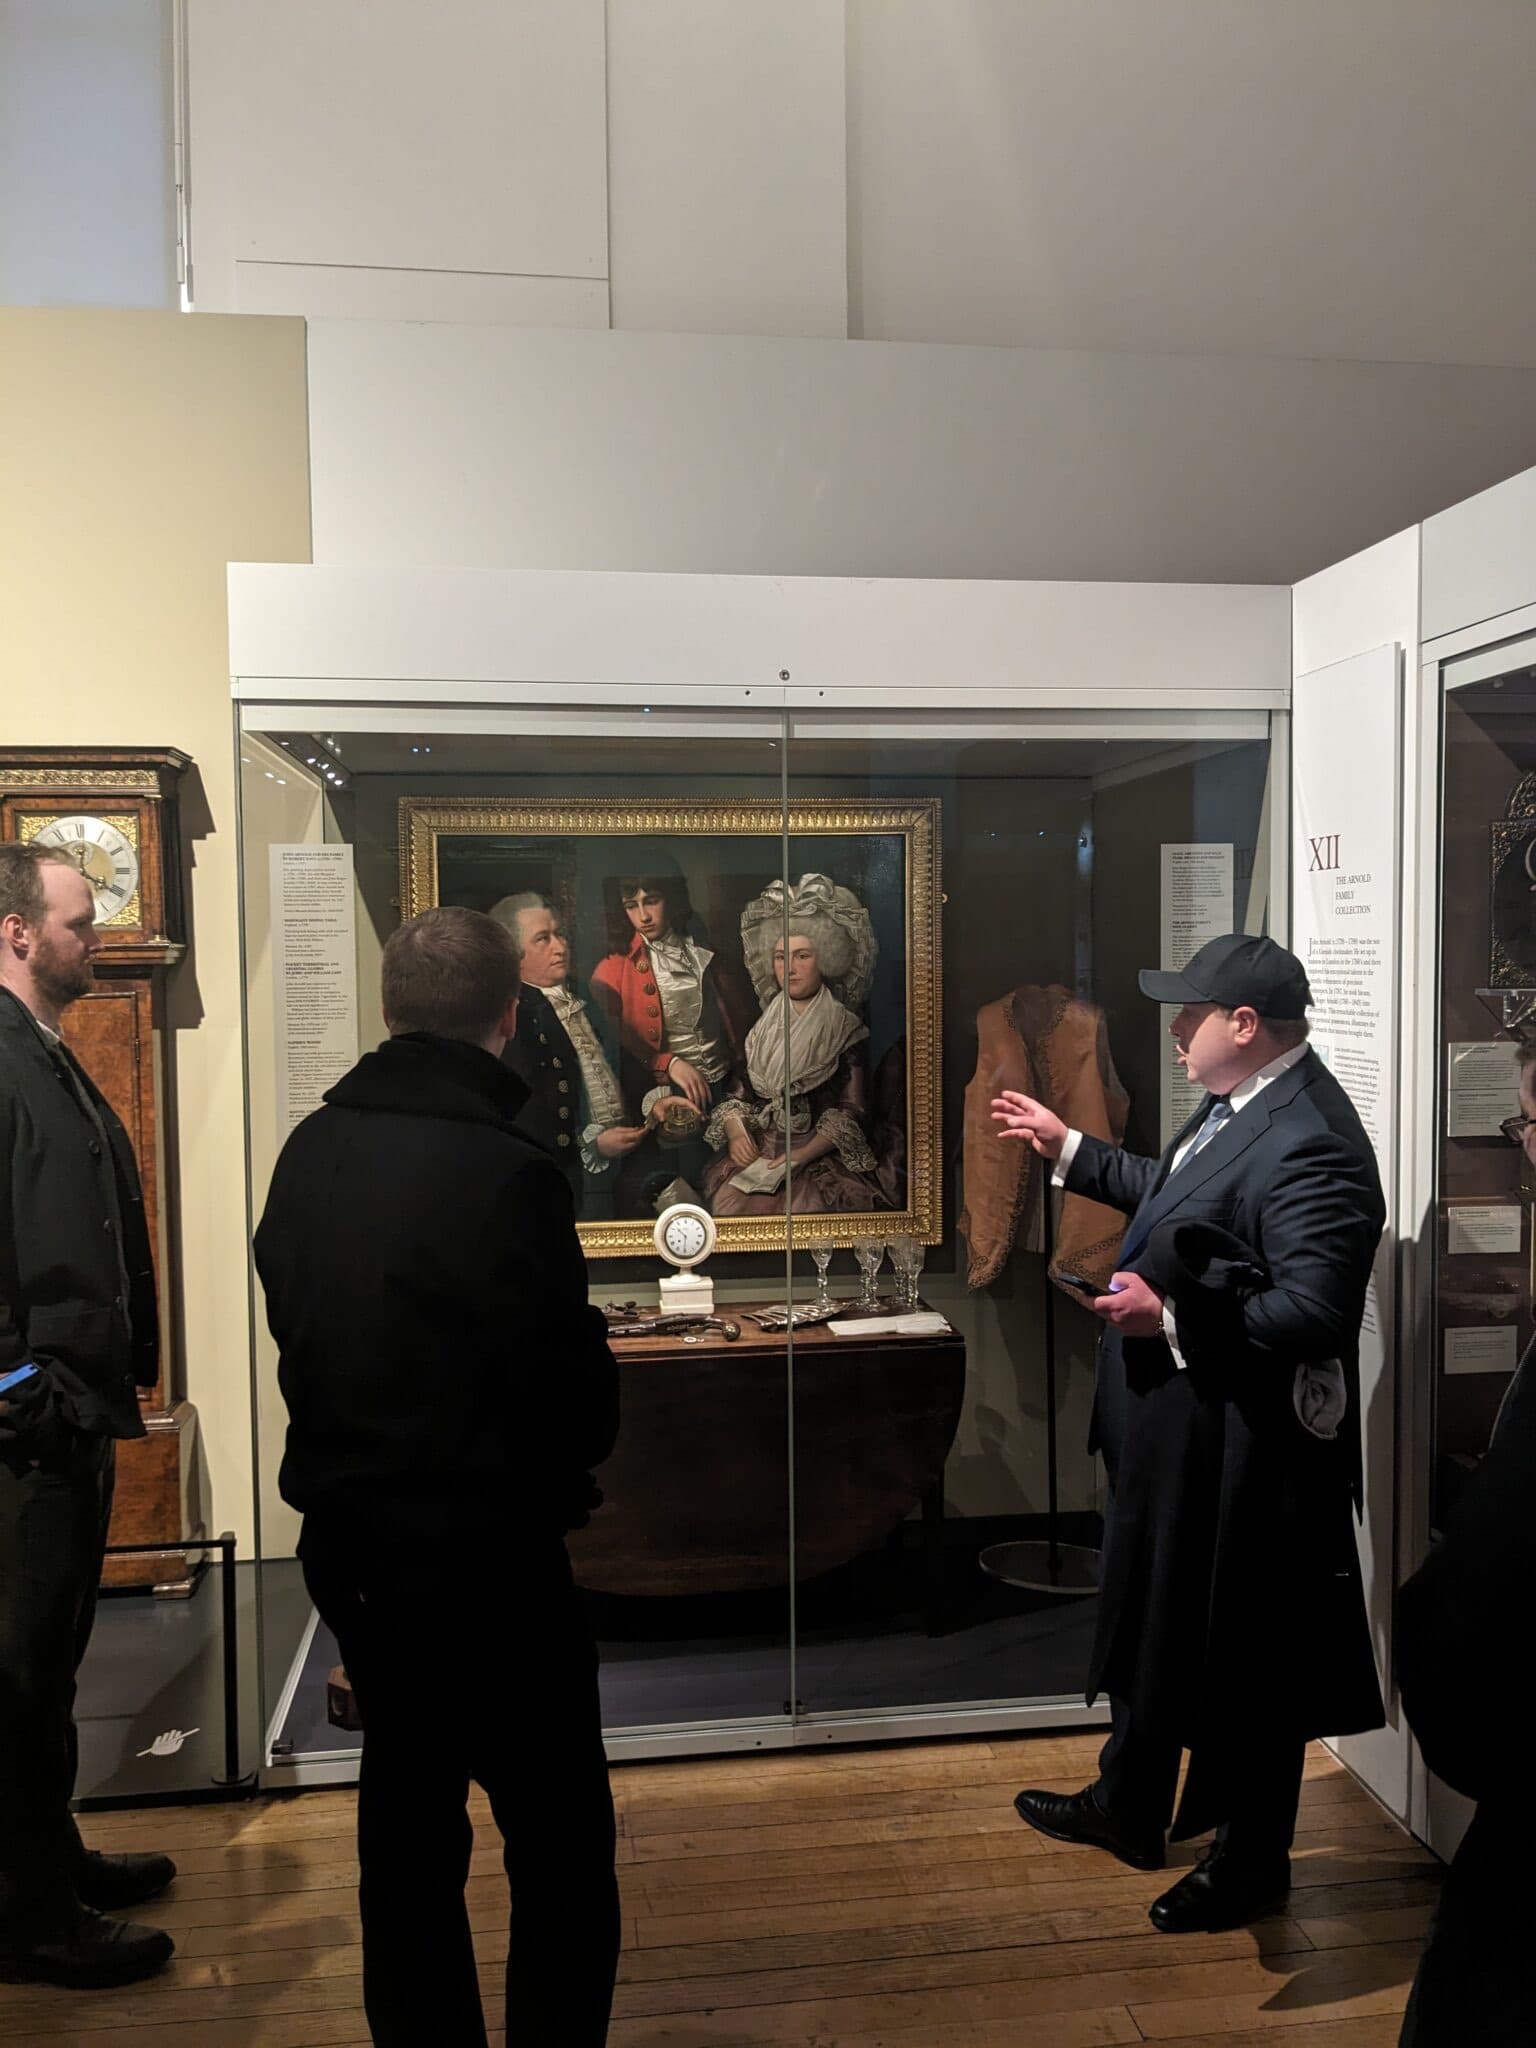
(112, 811)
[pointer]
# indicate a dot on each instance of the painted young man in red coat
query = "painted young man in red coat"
(679, 1019)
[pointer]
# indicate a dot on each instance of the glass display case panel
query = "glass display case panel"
(1482, 1318)
(804, 1521)
(970, 901)
(631, 842)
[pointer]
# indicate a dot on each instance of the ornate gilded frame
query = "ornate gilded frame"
(426, 821)
(1514, 832)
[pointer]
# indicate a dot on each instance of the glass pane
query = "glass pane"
(625, 847)
(975, 907)
(1487, 1010)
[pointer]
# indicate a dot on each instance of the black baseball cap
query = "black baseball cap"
(1238, 972)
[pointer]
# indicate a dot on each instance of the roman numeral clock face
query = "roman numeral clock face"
(103, 853)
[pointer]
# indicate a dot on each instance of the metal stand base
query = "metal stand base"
(1040, 1567)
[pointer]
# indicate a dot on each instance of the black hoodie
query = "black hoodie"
(443, 1369)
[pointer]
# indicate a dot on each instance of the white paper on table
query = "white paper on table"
(762, 1177)
(1486, 1228)
(923, 1324)
(1482, 1347)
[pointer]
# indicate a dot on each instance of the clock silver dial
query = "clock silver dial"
(103, 853)
(684, 1234)
(685, 1237)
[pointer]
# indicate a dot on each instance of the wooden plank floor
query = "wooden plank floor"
(876, 1898)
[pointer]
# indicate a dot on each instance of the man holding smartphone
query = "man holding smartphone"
(78, 1337)
(1231, 1620)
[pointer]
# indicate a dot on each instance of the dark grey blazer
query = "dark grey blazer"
(69, 1200)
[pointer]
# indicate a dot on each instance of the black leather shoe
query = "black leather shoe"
(1222, 1891)
(1078, 1817)
(105, 1882)
(88, 1954)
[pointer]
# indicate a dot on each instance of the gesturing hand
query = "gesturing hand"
(1020, 1116)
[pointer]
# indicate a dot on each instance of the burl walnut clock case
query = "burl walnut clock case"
(112, 811)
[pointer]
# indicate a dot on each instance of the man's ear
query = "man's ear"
(507, 1028)
(1247, 1022)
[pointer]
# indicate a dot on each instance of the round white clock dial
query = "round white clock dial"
(104, 854)
(685, 1234)
(685, 1238)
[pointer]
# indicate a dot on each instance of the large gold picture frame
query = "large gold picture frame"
(443, 839)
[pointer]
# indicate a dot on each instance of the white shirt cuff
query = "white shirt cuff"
(1064, 1161)
(1171, 1332)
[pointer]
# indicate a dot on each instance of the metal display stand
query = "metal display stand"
(234, 1783)
(1047, 1565)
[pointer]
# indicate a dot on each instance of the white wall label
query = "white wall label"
(1196, 899)
(1344, 861)
(1482, 1086)
(1486, 1229)
(1482, 1347)
(314, 974)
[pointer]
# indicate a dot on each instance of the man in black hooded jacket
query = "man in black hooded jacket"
(449, 1391)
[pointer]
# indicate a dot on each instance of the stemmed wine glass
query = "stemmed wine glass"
(821, 1257)
(870, 1253)
(907, 1258)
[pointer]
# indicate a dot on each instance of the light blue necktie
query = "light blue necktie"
(1217, 1118)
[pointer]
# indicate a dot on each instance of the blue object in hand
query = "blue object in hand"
(14, 1379)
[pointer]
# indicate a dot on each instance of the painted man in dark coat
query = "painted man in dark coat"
(1231, 1619)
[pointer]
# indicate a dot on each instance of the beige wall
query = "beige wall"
(143, 452)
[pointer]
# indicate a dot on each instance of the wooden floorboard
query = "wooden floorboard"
(879, 1898)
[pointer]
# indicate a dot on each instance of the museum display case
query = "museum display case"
(784, 959)
(1485, 1178)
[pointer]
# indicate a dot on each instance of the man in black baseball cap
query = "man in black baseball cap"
(1231, 1618)
(1237, 972)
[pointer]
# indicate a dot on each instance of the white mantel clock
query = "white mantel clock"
(685, 1237)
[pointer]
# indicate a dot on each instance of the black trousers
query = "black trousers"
(1139, 1775)
(477, 1665)
(53, 1531)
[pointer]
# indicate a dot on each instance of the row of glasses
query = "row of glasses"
(906, 1260)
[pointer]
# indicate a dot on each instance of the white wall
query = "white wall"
(87, 197)
(728, 166)
(1147, 175)
(460, 148)
(1480, 557)
(1349, 609)
(513, 447)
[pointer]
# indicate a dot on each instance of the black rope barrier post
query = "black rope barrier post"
(233, 1780)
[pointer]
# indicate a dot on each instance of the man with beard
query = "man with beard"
(78, 1336)
(1231, 1620)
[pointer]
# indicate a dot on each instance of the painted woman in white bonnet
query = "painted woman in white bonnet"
(803, 1102)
